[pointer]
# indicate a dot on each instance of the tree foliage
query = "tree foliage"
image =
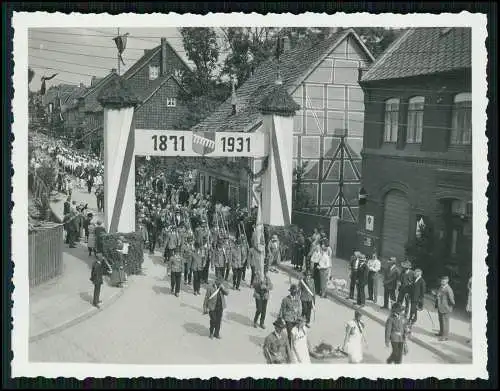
(377, 39)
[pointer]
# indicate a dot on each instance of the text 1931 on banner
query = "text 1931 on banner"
(210, 144)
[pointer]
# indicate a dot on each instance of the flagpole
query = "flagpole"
(118, 55)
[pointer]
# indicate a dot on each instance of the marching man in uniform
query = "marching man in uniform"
(395, 334)
(236, 263)
(291, 310)
(276, 345)
(218, 259)
(307, 296)
(214, 305)
(175, 272)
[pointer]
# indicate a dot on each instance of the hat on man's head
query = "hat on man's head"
(406, 264)
(279, 323)
(293, 288)
(392, 259)
(99, 222)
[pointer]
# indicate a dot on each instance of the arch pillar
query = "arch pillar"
(119, 157)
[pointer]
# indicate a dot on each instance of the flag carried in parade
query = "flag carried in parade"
(43, 88)
(121, 44)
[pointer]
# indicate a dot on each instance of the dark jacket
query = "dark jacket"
(96, 273)
(99, 233)
(395, 329)
(198, 259)
(176, 263)
(445, 300)
(67, 207)
(218, 257)
(276, 350)
(290, 309)
(210, 303)
(418, 292)
(262, 288)
(391, 277)
(362, 274)
(304, 294)
(407, 278)
(236, 258)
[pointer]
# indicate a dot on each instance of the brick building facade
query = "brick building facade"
(417, 157)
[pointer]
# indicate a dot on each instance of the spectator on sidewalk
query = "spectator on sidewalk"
(406, 280)
(468, 307)
(299, 253)
(373, 273)
(445, 301)
(324, 266)
(391, 277)
(67, 206)
(262, 287)
(274, 251)
(99, 232)
(97, 279)
(395, 334)
(307, 295)
(362, 280)
(86, 223)
(353, 276)
(315, 255)
(91, 242)
(417, 295)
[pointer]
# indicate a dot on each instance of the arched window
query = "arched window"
(461, 124)
(415, 120)
(391, 120)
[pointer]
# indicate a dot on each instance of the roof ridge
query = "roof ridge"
(388, 51)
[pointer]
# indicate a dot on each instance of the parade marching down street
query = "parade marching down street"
(182, 303)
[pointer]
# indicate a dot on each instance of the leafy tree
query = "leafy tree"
(377, 39)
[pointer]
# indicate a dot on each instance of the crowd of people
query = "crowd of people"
(196, 234)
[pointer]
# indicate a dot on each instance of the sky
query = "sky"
(77, 54)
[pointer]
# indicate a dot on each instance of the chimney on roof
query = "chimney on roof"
(163, 67)
(234, 99)
(82, 85)
(113, 70)
(92, 82)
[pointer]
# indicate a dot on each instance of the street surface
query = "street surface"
(148, 325)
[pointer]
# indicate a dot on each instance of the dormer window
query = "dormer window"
(171, 102)
(154, 72)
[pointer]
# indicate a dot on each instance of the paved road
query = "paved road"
(148, 325)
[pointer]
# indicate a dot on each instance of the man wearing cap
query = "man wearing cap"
(276, 345)
(198, 260)
(218, 258)
(291, 309)
(307, 295)
(391, 277)
(176, 264)
(406, 281)
(96, 278)
(262, 287)
(395, 334)
(214, 305)
(300, 248)
(227, 245)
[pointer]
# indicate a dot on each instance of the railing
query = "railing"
(45, 253)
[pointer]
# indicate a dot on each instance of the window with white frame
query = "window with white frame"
(415, 120)
(171, 102)
(178, 74)
(391, 120)
(154, 72)
(461, 124)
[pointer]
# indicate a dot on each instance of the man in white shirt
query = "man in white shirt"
(373, 270)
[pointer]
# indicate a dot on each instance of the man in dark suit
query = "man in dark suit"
(406, 279)
(391, 277)
(96, 278)
(67, 206)
(417, 295)
(214, 305)
(354, 273)
(362, 280)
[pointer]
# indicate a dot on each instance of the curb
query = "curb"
(80, 318)
(377, 319)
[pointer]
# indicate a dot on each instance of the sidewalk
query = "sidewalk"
(455, 350)
(67, 299)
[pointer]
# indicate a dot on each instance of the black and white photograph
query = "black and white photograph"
(201, 196)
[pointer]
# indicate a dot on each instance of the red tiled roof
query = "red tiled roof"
(294, 66)
(423, 51)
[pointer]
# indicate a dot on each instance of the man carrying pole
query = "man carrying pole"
(214, 305)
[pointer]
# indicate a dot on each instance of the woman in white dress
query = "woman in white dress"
(468, 308)
(353, 341)
(299, 350)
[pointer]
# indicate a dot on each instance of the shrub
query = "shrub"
(286, 235)
(135, 256)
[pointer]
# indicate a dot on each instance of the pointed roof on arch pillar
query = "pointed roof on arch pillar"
(118, 95)
(279, 102)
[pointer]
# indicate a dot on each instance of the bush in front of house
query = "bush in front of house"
(287, 236)
(135, 257)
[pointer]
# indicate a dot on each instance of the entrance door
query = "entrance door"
(221, 191)
(395, 225)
